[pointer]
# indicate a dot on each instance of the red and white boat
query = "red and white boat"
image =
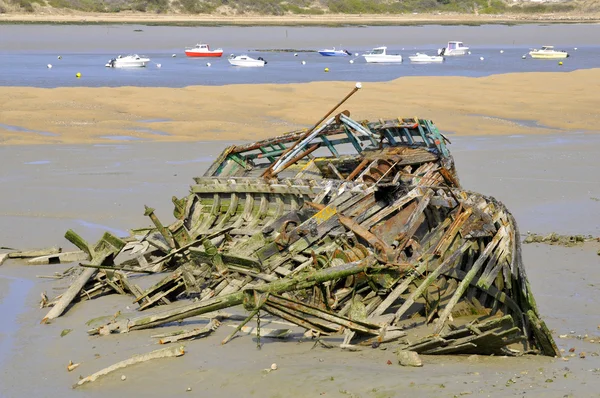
(203, 50)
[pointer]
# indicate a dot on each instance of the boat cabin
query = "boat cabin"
(455, 45)
(378, 51)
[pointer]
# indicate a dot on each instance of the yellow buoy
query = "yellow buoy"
(560, 62)
(78, 75)
(326, 69)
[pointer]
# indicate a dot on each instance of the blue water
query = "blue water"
(86, 49)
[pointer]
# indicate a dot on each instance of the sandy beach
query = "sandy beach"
(70, 16)
(524, 103)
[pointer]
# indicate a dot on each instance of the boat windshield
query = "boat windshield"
(377, 51)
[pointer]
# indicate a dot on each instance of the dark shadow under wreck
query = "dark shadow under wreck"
(354, 227)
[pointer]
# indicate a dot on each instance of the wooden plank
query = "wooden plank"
(468, 278)
(255, 188)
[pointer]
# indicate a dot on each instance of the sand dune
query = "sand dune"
(462, 105)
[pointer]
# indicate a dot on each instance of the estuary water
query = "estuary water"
(27, 50)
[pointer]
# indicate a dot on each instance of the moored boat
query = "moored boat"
(129, 61)
(548, 52)
(244, 60)
(380, 55)
(203, 50)
(424, 58)
(454, 48)
(332, 52)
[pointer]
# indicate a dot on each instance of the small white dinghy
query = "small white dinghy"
(424, 58)
(129, 61)
(244, 60)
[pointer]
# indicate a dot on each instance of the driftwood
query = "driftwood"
(192, 334)
(157, 354)
(35, 253)
(69, 295)
(59, 258)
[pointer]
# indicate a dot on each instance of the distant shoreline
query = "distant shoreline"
(333, 20)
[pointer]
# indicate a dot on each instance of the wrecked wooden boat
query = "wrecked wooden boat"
(357, 228)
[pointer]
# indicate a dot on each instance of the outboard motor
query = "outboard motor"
(347, 52)
(442, 51)
(262, 59)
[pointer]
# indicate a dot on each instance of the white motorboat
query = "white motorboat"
(380, 55)
(129, 61)
(454, 48)
(244, 60)
(423, 58)
(332, 52)
(548, 52)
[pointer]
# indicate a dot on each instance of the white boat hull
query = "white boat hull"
(128, 62)
(383, 58)
(426, 59)
(246, 61)
(460, 51)
(132, 64)
(557, 55)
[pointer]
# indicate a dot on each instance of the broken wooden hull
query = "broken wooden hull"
(353, 226)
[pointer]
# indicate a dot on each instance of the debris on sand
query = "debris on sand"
(556, 239)
(353, 228)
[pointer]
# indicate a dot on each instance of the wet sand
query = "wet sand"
(523, 103)
(541, 178)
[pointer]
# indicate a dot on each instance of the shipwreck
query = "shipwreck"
(355, 228)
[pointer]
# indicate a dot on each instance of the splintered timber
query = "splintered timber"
(350, 227)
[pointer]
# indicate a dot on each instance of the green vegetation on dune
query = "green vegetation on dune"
(294, 7)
